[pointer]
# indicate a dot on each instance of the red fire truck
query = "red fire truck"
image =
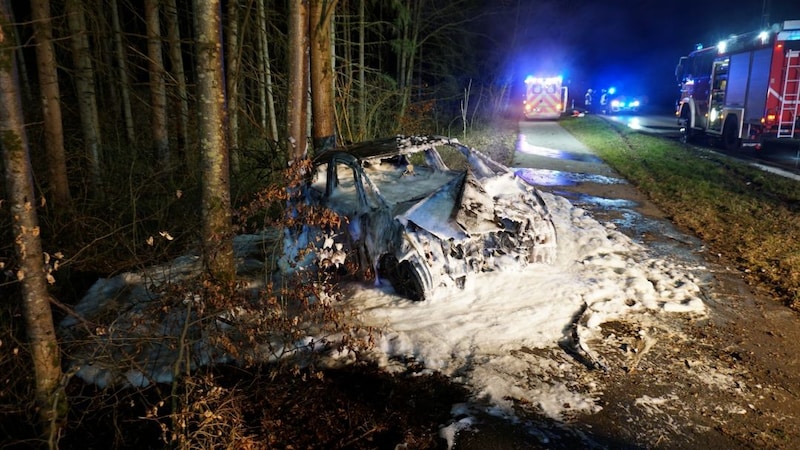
(744, 90)
(545, 97)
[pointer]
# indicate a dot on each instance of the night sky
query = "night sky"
(633, 45)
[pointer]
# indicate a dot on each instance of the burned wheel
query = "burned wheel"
(404, 276)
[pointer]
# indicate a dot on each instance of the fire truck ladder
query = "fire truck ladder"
(790, 106)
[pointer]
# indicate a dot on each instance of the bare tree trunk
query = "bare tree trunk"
(85, 91)
(403, 20)
(176, 60)
(122, 72)
(51, 105)
(324, 132)
(50, 398)
(158, 88)
(344, 81)
(408, 24)
(261, 47)
(298, 79)
(269, 101)
(23, 71)
(232, 79)
(216, 210)
(273, 118)
(102, 56)
(362, 80)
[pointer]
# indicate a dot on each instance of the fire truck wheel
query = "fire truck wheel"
(686, 124)
(730, 138)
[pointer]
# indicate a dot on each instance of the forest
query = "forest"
(137, 130)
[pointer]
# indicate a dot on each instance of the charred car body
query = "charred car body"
(422, 225)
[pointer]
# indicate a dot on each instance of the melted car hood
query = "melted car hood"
(439, 213)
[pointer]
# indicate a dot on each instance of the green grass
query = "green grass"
(750, 216)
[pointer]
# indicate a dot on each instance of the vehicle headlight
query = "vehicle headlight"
(635, 103)
(615, 103)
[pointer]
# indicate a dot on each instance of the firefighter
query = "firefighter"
(587, 100)
(604, 101)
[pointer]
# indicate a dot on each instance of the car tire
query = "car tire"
(686, 122)
(404, 276)
(730, 140)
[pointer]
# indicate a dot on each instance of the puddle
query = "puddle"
(546, 177)
(583, 200)
(524, 147)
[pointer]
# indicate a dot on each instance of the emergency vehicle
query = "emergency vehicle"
(545, 98)
(745, 89)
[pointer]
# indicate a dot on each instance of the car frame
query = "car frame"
(414, 221)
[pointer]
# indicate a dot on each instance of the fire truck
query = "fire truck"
(545, 97)
(744, 90)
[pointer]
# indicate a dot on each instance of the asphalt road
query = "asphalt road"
(553, 160)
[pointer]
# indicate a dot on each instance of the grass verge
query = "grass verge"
(750, 216)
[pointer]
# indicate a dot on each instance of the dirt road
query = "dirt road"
(730, 380)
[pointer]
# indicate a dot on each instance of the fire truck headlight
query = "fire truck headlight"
(615, 103)
(635, 103)
(713, 115)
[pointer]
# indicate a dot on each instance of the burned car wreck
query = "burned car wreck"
(413, 220)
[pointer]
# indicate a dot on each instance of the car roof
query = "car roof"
(386, 147)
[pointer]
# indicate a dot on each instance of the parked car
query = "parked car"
(624, 104)
(423, 224)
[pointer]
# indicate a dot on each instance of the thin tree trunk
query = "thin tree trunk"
(122, 72)
(51, 105)
(176, 60)
(324, 132)
(86, 94)
(50, 398)
(344, 79)
(362, 80)
(261, 66)
(216, 208)
(410, 46)
(23, 71)
(232, 80)
(103, 56)
(158, 88)
(269, 101)
(273, 117)
(296, 109)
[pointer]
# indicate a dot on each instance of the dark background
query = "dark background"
(632, 45)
